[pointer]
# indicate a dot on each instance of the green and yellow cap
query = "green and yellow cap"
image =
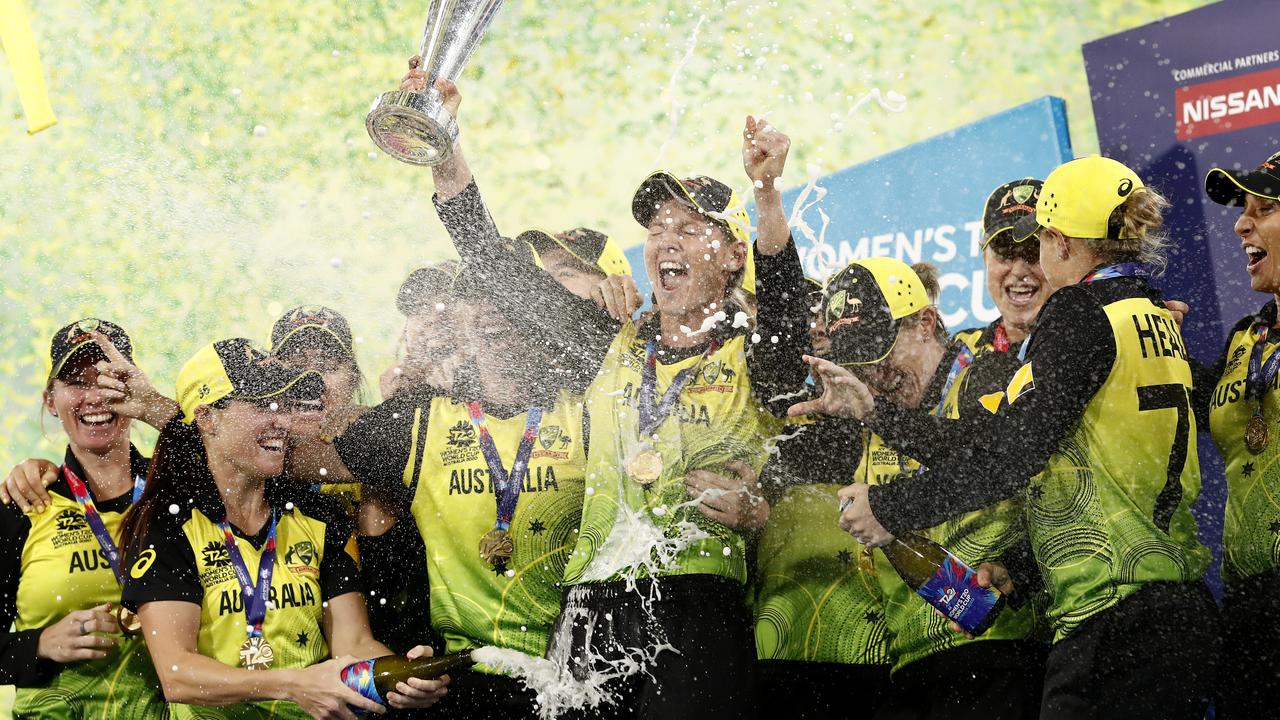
(1083, 198)
(589, 247)
(237, 369)
(76, 339)
(710, 197)
(1228, 187)
(864, 306)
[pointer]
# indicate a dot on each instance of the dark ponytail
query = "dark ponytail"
(179, 472)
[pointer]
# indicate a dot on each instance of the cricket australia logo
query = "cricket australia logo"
(303, 553)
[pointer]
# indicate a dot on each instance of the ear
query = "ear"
(47, 398)
(737, 256)
(928, 322)
(1064, 246)
(205, 421)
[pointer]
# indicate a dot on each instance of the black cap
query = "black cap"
(1010, 212)
(237, 369)
(585, 244)
(1228, 187)
(425, 287)
(311, 326)
(74, 340)
(707, 195)
(864, 307)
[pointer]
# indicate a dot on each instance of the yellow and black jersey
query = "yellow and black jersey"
(424, 447)
(1101, 404)
(1251, 532)
(992, 534)
(53, 565)
(814, 591)
(185, 558)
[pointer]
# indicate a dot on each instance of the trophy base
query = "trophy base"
(412, 127)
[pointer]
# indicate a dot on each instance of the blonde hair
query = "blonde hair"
(928, 275)
(1143, 237)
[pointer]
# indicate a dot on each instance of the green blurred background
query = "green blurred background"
(210, 167)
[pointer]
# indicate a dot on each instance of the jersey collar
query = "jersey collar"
(137, 466)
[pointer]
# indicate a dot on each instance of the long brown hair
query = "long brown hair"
(179, 474)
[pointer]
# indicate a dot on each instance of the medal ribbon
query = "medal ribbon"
(652, 413)
(254, 598)
(81, 492)
(1125, 269)
(964, 359)
(1001, 340)
(1261, 374)
(506, 485)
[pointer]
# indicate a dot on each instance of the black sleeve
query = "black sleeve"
(577, 332)
(164, 569)
(18, 662)
(1071, 353)
(825, 451)
(932, 441)
(377, 447)
(781, 338)
(1020, 561)
(389, 561)
(338, 572)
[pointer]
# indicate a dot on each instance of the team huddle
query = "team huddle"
(695, 504)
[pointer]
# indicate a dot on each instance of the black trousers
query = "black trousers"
(988, 680)
(1153, 656)
(710, 673)
(799, 690)
(1249, 676)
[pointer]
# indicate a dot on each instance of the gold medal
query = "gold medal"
(496, 547)
(127, 621)
(1256, 434)
(645, 466)
(256, 654)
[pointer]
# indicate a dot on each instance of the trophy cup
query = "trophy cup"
(414, 127)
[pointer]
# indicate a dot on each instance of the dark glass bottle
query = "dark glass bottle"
(945, 582)
(375, 677)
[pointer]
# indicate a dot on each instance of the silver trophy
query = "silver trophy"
(414, 126)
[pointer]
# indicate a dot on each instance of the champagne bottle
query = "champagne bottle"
(945, 582)
(375, 677)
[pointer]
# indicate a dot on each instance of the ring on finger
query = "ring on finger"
(83, 630)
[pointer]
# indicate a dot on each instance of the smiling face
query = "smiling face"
(1018, 286)
(905, 374)
(340, 379)
(570, 272)
(89, 423)
(1259, 230)
(246, 436)
(690, 259)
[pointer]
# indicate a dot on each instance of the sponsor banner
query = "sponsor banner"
(1232, 104)
(923, 203)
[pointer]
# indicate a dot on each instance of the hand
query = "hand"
(989, 574)
(320, 692)
(126, 389)
(764, 152)
(843, 394)
(618, 295)
(729, 499)
(418, 693)
(857, 519)
(25, 485)
(1179, 310)
(73, 638)
(338, 419)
